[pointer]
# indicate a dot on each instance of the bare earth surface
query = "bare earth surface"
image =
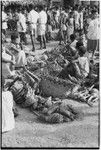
(29, 132)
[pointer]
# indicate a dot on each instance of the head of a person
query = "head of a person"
(40, 8)
(80, 9)
(56, 8)
(81, 32)
(71, 14)
(16, 11)
(31, 7)
(72, 37)
(76, 7)
(2, 82)
(78, 44)
(24, 11)
(36, 8)
(69, 8)
(82, 51)
(20, 10)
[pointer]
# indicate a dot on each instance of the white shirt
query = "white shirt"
(42, 17)
(76, 17)
(33, 17)
(84, 65)
(4, 24)
(57, 15)
(81, 19)
(8, 122)
(94, 29)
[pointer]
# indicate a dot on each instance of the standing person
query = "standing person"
(64, 28)
(81, 18)
(8, 122)
(4, 21)
(57, 17)
(14, 26)
(93, 33)
(42, 26)
(76, 18)
(49, 25)
(70, 25)
(22, 27)
(32, 19)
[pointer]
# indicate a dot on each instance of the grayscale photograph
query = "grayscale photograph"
(50, 74)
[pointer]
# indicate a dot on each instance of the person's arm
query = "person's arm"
(75, 61)
(7, 61)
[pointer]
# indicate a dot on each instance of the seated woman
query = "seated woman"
(78, 68)
(17, 51)
(8, 122)
(82, 63)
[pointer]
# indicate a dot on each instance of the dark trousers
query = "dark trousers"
(23, 37)
(42, 40)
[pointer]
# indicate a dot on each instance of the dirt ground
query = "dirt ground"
(29, 132)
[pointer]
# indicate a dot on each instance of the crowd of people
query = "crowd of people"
(77, 27)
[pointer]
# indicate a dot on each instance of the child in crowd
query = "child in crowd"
(82, 63)
(73, 40)
(82, 37)
(8, 122)
(16, 48)
(70, 25)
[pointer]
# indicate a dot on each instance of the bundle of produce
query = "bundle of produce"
(70, 113)
(53, 68)
(30, 98)
(95, 96)
(19, 91)
(30, 78)
(61, 61)
(54, 53)
(58, 113)
(86, 96)
(53, 118)
(56, 87)
(42, 104)
(34, 64)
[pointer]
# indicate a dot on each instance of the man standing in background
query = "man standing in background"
(22, 27)
(32, 19)
(42, 27)
(76, 18)
(93, 34)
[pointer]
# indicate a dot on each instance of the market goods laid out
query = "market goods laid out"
(39, 88)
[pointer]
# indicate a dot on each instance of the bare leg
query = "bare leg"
(41, 41)
(44, 41)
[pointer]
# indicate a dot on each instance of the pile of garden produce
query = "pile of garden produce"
(39, 88)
